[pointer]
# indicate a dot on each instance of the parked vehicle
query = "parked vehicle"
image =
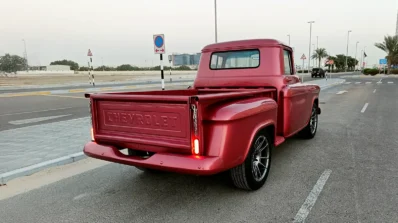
(317, 72)
(245, 100)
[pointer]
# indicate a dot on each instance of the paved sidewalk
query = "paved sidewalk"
(34, 144)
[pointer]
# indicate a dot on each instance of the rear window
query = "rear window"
(235, 59)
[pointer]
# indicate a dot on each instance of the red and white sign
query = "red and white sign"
(89, 53)
(330, 62)
(303, 57)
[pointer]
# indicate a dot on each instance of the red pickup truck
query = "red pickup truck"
(245, 100)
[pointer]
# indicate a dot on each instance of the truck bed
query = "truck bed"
(157, 121)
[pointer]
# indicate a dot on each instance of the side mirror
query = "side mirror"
(189, 87)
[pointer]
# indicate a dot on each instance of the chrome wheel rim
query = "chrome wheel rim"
(260, 164)
(313, 121)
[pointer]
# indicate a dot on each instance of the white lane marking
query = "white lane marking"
(357, 82)
(380, 80)
(390, 82)
(347, 82)
(374, 91)
(368, 82)
(364, 107)
(312, 197)
(341, 92)
(20, 113)
(33, 120)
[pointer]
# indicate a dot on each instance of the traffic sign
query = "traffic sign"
(383, 61)
(158, 43)
(89, 53)
(303, 57)
(330, 62)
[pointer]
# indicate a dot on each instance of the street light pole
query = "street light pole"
(215, 18)
(289, 39)
(313, 59)
(346, 56)
(356, 47)
(26, 55)
(309, 50)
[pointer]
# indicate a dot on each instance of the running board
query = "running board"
(279, 140)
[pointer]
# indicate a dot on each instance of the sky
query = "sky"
(121, 31)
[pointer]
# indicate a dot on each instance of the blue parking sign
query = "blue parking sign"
(383, 61)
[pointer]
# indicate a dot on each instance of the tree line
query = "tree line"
(13, 63)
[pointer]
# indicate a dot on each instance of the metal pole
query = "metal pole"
(215, 18)
(317, 48)
(356, 47)
(103, 68)
(313, 59)
(26, 55)
(302, 73)
(92, 70)
(309, 50)
(161, 70)
(346, 56)
(364, 58)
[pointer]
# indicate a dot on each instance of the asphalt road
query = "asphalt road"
(138, 83)
(54, 107)
(72, 86)
(356, 141)
(17, 112)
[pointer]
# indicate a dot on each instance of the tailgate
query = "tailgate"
(135, 119)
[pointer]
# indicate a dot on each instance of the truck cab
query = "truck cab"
(245, 100)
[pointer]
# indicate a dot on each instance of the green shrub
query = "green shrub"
(371, 71)
(394, 71)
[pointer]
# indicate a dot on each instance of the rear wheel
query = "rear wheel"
(310, 130)
(142, 154)
(253, 172)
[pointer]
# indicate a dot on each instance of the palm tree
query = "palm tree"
(390, 46)
(319, 54)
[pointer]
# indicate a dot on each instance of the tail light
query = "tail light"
(195, 150)
(92, 134)
(195, 138)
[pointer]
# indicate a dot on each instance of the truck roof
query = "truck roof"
(242, 44)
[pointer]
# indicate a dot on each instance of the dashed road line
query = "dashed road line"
(25, 94)
(312, 197)
(34, 120)
(20, 113)
(64, 96)
(357, 82)
(77, 90)
(347, 82)
(341, 92)
(390, 82)
(368, 82)
(364, 107)
(374, 91)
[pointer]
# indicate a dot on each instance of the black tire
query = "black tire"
(309, 131)
(243, 176)
(142, 154)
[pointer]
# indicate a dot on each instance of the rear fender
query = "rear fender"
(231, 127)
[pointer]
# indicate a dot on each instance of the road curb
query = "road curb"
(25, 171)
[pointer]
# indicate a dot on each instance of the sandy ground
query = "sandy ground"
(79, 78)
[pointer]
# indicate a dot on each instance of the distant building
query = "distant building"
(58, 68)
(186, 59)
